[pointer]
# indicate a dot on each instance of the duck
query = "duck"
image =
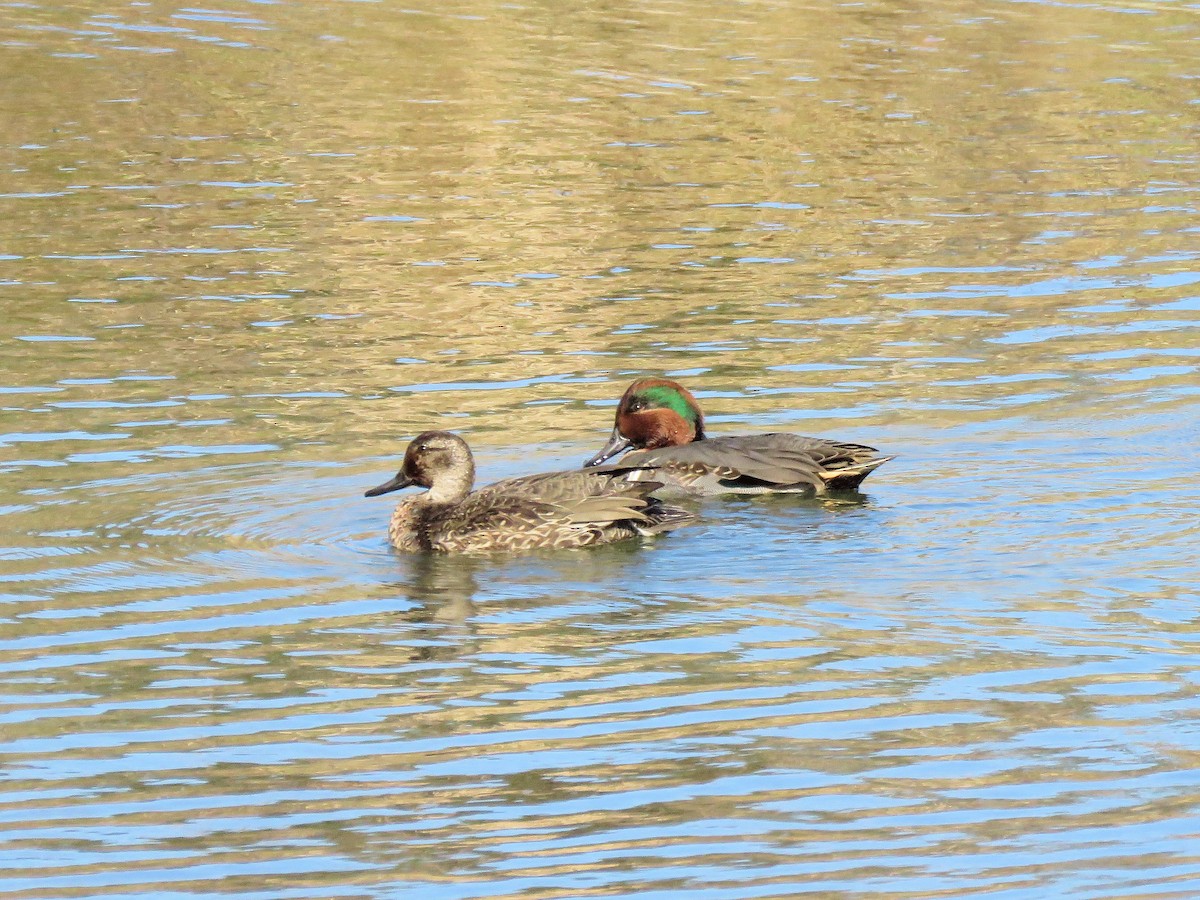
(552, 510)
(660, 423)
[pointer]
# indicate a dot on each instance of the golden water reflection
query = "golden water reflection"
(248, 251)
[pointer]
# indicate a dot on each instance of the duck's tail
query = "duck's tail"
(660, 517)
(850, 477)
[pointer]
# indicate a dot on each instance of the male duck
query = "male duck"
(662, 421)
(556, 510)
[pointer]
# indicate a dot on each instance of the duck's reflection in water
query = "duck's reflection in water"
(452, 588)
(442, 586)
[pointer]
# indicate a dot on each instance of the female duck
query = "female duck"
(555, 510)
(662, 421)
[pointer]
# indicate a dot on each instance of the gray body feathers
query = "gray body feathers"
(760, 463)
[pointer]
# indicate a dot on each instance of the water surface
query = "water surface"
(249, 251)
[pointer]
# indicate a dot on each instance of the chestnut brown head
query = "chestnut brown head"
(653, 413)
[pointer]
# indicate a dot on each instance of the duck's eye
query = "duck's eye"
(637, 405)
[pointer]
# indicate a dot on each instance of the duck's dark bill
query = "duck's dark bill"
(615, 445)
(388, 486)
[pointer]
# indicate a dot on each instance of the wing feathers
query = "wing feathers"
(772, 461)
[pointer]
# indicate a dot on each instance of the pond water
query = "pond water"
(249, 249)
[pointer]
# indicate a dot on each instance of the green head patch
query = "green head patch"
(664, 397)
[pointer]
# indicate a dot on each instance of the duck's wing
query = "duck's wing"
(560, 509)
(628, 510)
(775, 461)
(570, 486)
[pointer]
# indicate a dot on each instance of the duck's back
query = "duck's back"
(559, 510)
(762, 463)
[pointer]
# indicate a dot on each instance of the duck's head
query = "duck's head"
(653, 412)
(437, 460)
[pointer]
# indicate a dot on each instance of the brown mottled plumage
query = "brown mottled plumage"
(557, 510)
(662, 421)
